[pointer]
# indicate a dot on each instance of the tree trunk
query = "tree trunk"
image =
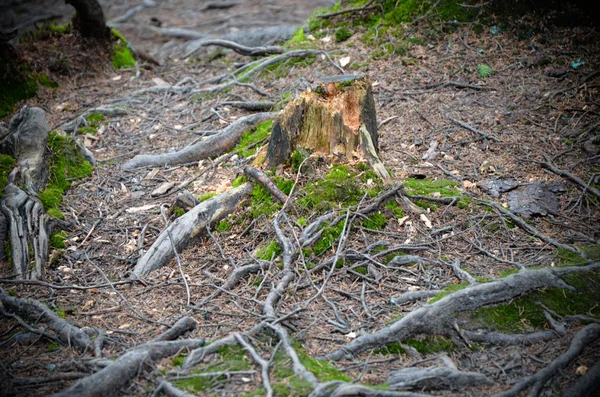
(338, 118)
(89, 20)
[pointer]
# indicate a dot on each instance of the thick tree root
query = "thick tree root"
(212, 146)
(37, 312)
(435, 378)
(434, 318)
(27, 220)
(120, 373)
(584, 337)
(185, 228)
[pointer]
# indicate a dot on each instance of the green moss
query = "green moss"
(566, 257)
(463, 202)
(66, 164)
(513, 317)
(425, 187)
(209, 195)
(178, 360)
(342, 34)
(239, 181)
(526, 311)
(15, 89)
(269, 251)
(61, 29)
(178, 211)
(395, 209)
(361, 270)
(55, 212)
(60, 311)
(484, 70)
(52, 347)
(329, 236)
(6, 165)
(375, 221)
(258, 392)
(338, 186)
(299, 155)
(229, 358)
(323, 370)
(253, 138)
(57, 240)
(122, 56)
(449, 290)
(223, 226)
(429, 345)
(286, 383)
(284, 184)
(261, 203)
(45, 81)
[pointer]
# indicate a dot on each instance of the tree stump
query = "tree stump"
(337, 117)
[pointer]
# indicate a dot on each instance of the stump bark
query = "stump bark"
(337, 117)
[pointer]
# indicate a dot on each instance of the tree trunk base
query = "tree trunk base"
(337, 118)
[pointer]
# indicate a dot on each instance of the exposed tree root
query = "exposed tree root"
(434, 318)
(587, 385)
(532, 230)
(537, 381)
(35, 312)
(566, 174)
(209, 147)
(241, 49)
(190, 225)
(27, 220)
(260, 177)
(435, 378)
(119, 374)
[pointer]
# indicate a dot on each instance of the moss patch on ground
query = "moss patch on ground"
(526, 312)
(286, 383)
(66, 165)
(428, 345)
(93, 122)
(122, 56)
(15, 89)
(228, 358)
(252, 139)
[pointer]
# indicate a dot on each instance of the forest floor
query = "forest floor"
(494, 99)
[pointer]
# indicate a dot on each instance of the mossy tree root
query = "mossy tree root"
(212, 146)
(27, 220)
(184, 229)
(436, 318)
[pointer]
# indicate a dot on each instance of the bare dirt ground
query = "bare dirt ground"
(535, 107)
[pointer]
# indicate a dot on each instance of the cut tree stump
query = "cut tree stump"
(337, 117)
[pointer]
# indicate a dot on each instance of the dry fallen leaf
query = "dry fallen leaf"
(143, 208)
(426, 221)
(160, 82)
